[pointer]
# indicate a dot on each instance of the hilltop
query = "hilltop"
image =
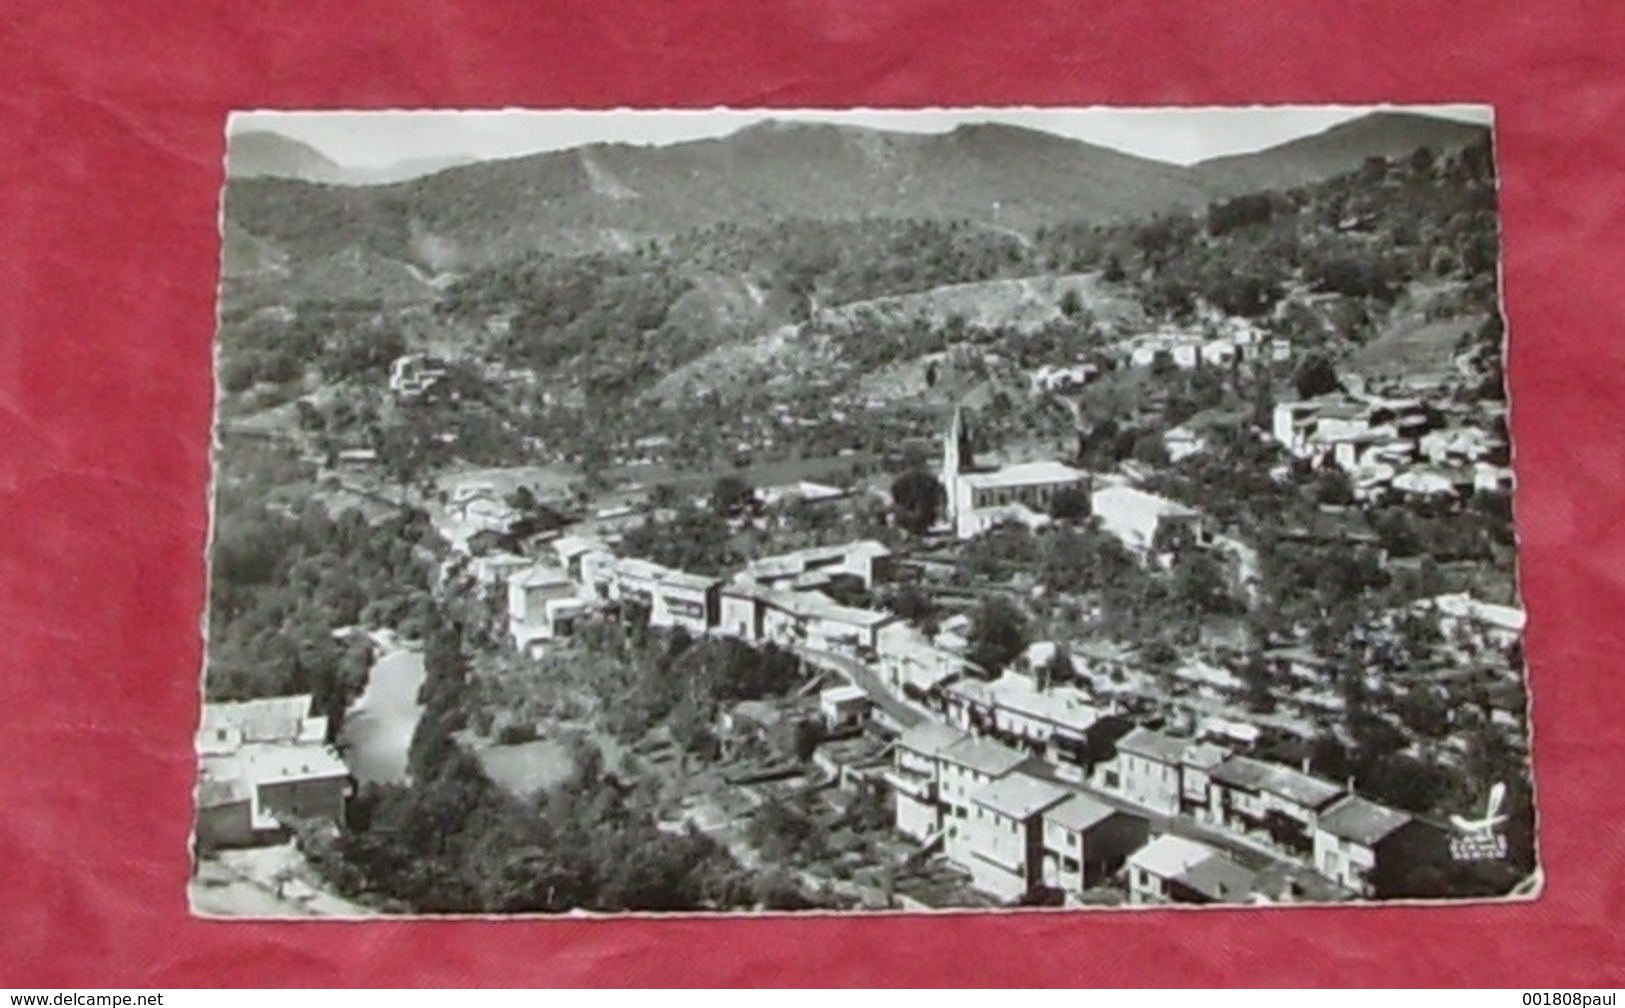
(614, 196)
(1336, 151)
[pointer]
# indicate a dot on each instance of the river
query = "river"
(378, 730)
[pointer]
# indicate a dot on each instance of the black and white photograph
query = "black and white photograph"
(861, 511)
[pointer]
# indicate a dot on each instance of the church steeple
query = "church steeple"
(952, 443)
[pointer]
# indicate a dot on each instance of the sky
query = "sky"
(1177, 135)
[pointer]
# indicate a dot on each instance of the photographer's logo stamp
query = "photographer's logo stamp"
(1481, 839)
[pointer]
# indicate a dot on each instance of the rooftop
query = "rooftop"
(270, 719)
(570, 546)
(633, 567)
(1364, 822)
(693, 582)
(930, 738)
(1464, 606)
(984, 756)
(1203, 755)
(1294, 785)
(1218, 878)
(838, 694)
(1129, 501)
(1170, 856)
(1019, 796)
(1152, 745)
(1061, 705)
(1078, 813)
(541, 575)
(1026, 474)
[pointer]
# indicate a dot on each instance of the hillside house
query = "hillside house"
(1196, 763)
(963, 768)
(689, 601)
(1086, 842)
(867, 561)
(1370, 849)
(1460, 615)
(843, 708)
(1172, 869)
(911, 664)
(537, 598)
(916, 776)
(1145, 770)
(263, 765)
(1183, 442)
(577, 554)
(1147, 525)
(412, 375)
(1004, 834)
(1272, 802)
(1055, 723)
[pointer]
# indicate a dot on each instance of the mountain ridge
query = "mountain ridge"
(615, 196)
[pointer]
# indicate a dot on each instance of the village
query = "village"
(877, 562)
(1071, 774)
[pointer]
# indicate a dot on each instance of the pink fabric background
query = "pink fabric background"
(111, 120)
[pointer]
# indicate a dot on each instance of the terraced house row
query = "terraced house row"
(1015, 824)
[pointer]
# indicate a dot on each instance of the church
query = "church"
(979, 498)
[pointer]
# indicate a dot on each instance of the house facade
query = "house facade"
(1371, 850)
(1174, 869)
(1004, 834)
(264, 765)
(1146, 770)
(916, 776)
(1086, 842)
(1270, 802)
(964, 768)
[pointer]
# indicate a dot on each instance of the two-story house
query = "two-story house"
(1146, 770)
(964, 768)
(1174, 869)
(916, 775)
(1087, 841)
(1273, 802)
(1371, 849)
(1004, 834)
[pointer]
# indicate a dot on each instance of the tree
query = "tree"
(1425, 712)
(1255, 674)
(1057, 670)
(731, 496)
(1315, 377)
(915, 605)
(1071, 304)
(523, 500)
(998, 634)
(1113, 271)
(917, 498)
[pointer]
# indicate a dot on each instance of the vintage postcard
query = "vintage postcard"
(855, 510)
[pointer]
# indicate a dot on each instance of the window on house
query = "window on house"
(1069, 864)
